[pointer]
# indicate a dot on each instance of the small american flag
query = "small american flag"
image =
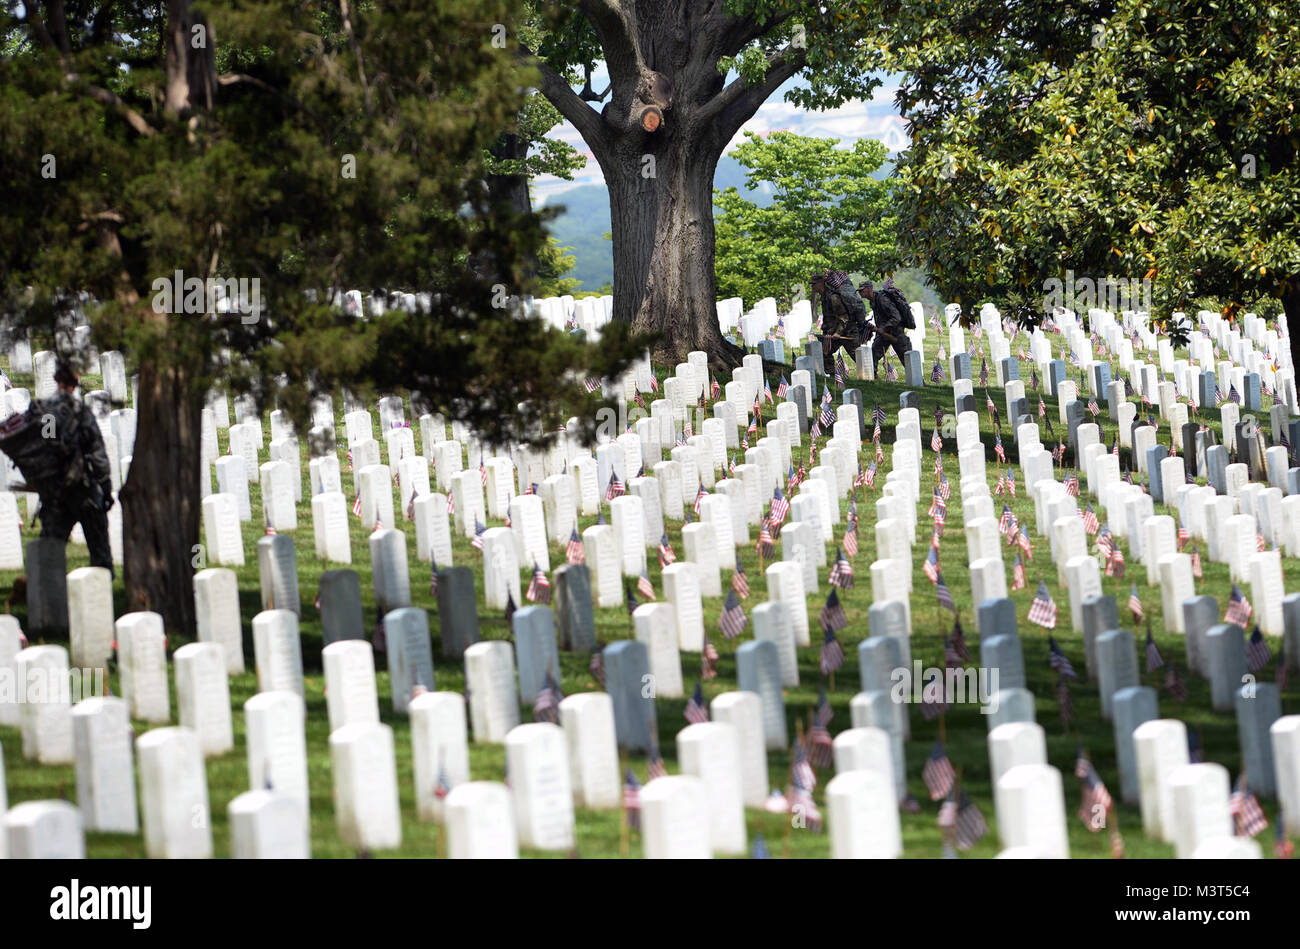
(615, 488)
(1018, 574)
(539, 588)
(1093, 407)
(943, 594)
(510, 607)
(270, 530)
(765, 545)
(832, 656)
(1184, 535)
(1072, 484)
(1042, 408)
(999, 451)
(1154, 660)
(733, 620)
(970, 827)
(832, 613)
(547, 706)
(696, 711)
(1095, 796)
(1239, 608)
(851, 537)
(1064, 700)
(1135, 604)
(645, 587)
(1257, 652)
(782, 388)
(482, 470)
(801, 770)
(632, 800)
(1248, 817)
(433, 577)
(891, 372)
(699, 497)
(820, 745)
(451, 504)
(958, 641)
(356, 505)
(708, 661)
(984, 373)
(1090, 523)
(936, 443)
(739, 582)
(841, 574)
(937, 773)
(931, 565)
(1058, 660)
(443, 787)
(715, 390)
(780, 506)
(574, 551)
(479, 529)
(1042, 611)
(1174, 684)
(666, 555)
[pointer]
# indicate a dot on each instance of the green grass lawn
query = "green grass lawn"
(598, 833)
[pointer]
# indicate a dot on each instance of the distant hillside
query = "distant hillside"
(586, 217)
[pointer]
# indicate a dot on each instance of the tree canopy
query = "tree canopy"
(1150, 141)
(827, 210)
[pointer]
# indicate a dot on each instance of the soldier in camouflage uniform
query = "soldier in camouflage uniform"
(88, 499)
(841, 325)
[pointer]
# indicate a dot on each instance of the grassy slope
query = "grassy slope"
(598, 833)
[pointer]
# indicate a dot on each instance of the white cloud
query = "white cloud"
(876, 118)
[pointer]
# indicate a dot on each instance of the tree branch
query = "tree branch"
(567, 102)
(115, 102)
(59, 23)
(615, 33)
(734, 105)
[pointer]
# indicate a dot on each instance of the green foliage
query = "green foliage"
(542, 155)
(1047, 139)
(258, 183)
(827, 211)
(553, 263)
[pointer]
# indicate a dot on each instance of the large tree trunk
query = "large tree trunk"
(511, 190)
(1291, 313)
(664, 281)
(160, 501)
(658, 140)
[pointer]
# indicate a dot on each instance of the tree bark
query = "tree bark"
(658, 141)
(511, 189)
(1291, 313)
(160, 500)
(661, 212)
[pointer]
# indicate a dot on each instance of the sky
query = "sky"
(876, 118)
